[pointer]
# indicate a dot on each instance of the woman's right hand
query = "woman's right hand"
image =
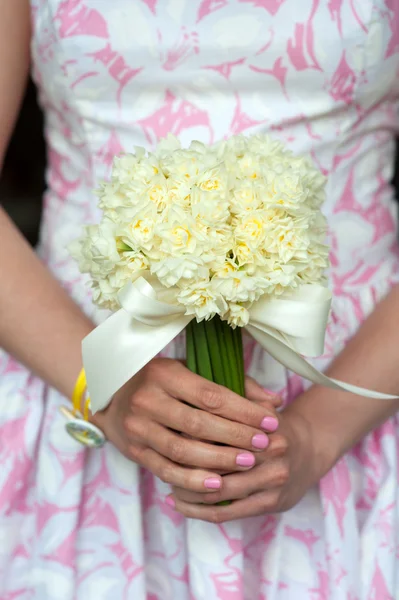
(148, 414)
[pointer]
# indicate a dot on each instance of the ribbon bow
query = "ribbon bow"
(150, 317)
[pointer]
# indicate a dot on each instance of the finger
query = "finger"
(203, 425)
(189, 451)
(216, 399)
(258, 504)
(196, 480)
(239, 486)
(256, 393)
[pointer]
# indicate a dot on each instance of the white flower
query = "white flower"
(104, 294)
(182, 164)
(249, 166)
(167, 145)
(112, 196)
(129, 169)
(124, 168)
(177, 270)
(251, 229)
(232, 148)
(96, 251)
(222, 224)
(214, 179)
(245, 255)
(281, 278)
(287, 192)
(178, 233)
(237, 286)
(200, 148)
(246, 196)
(292, 243)
(179, 192)
(200, 300)
(238, 315)
(139, 232)
(209, 207)
(157, 192)
(133, 261)
(268, 148)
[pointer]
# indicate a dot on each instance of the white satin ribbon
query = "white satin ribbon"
(150, 318)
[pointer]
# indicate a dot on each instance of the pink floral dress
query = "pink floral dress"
(321, 75)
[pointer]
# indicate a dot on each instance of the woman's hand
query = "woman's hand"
(147, 415)
(284, 472)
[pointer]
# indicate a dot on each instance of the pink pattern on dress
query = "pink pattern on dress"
(208, 6)
(379, 590)
(336, 487)
(343, 82)
(272, 6)
(279, 71)
(335, 7)
(174, 117)
(304, 43)
(76, 19)
(226, 68)
(187, 45)
(77, 525)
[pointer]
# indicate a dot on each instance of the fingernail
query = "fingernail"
(245, 459)
(170, 502)
(212, 483)
(269, 423)
(260, 441)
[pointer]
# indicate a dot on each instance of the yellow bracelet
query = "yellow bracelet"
(81, 429)
(77, 395)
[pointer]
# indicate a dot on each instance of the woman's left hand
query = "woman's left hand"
(292, 463)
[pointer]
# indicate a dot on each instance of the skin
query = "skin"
(153, 417)
(316, 430)
(43, 329)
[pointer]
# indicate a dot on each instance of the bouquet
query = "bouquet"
(217, 237)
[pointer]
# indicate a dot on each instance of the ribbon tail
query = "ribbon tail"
(295, 362)
(118, 348)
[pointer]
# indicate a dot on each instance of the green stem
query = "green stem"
(219, 375)
(228, 350)
(239, 358)
(191, 359)
(202, 351)
(223, 352)
(214, 351)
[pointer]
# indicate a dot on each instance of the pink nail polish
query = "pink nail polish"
(260, 441)
(269, 424)
(170, 502)
(245, 459)
(212, 483)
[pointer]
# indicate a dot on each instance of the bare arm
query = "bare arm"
(371, 359)
(43, 328)
(39, 323)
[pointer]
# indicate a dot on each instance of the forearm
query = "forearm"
(39, 323)
(370, 359)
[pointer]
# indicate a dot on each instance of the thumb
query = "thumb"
(256, 393)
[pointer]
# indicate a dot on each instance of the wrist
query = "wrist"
(324, 436)
(71, 368)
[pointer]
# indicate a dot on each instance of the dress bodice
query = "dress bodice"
(322, 76)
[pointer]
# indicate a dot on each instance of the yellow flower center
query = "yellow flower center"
(181, 236)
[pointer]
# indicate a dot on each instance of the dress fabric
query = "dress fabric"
(320, 75)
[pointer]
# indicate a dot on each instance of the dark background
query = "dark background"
(22, 180)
